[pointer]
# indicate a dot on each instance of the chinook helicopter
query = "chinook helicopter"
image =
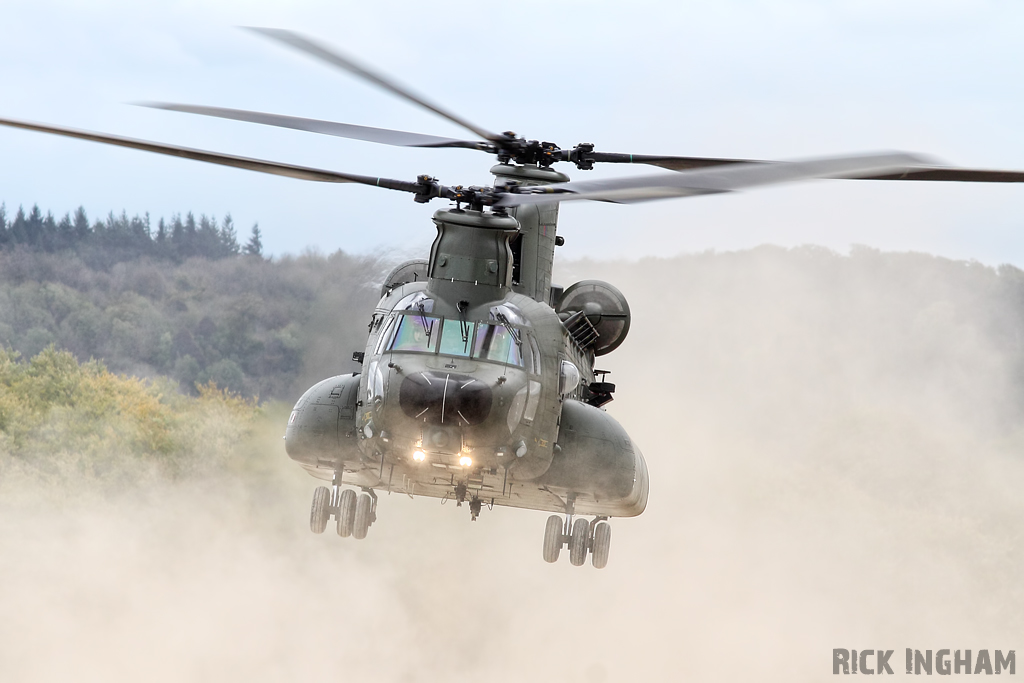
(479, 382)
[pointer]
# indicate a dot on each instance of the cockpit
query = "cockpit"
(413, 328)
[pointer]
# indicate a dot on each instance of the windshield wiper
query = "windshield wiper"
(511, 330)
(423, 321)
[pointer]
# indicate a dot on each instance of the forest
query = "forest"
(185, 302)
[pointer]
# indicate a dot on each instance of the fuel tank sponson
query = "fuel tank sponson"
(321, 430)
(595, 455)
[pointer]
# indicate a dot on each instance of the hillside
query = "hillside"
(253, 326)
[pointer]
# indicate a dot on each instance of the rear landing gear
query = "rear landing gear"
(581, 537)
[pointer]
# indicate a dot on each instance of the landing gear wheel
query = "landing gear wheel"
(602, 544)
(552, 538)
(346, 512)
(364, 515)
(321, 510)
(578, 542)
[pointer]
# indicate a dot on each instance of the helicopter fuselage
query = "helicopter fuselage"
(474, 386)
(471, 408)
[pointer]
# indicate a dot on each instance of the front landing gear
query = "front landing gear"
(578, 542)
(581, 537)
(601, 544)
(320, 513)
(354, 512)
(346, 513)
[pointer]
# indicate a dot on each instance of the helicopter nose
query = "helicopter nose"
(442, 398)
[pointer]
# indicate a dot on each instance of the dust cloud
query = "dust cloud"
(836, 459)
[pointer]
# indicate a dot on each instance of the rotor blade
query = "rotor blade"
(342, 130)
(962, 175)
(671, 163)
(957, 175)
(272, 167)
(713, 180)
(323, 53)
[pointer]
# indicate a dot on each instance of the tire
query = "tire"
(578, 542)
(320, 513)
(552, 538)
(346, 512)
(364, 513)
(602, 544)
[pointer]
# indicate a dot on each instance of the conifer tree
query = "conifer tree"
(255, 245)
(228, 236)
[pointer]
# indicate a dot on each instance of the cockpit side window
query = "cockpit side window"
(532, 349)
(456, 338)
(495, 343)
(385, 335)
(415, 332)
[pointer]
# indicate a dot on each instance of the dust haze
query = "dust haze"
(836, 458)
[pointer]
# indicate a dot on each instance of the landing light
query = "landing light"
(419, 456)
(466, 461)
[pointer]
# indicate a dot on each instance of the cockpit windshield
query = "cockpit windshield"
(414, 331)
(495, 342)
(456, 338)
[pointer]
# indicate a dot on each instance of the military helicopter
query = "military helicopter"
(479, 381)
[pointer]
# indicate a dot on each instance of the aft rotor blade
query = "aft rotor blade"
(961, 175)
(956, 175)
(330, 56)
(714, 180)
(272, 167)
(669, 162)
(384, 136)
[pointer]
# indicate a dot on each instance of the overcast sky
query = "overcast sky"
(780, 79)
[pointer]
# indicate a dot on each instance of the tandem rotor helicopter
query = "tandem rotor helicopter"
(479, 381)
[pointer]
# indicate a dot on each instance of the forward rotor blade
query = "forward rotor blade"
(714, 180)
(342, 130)
(325, 54)
(272, 167)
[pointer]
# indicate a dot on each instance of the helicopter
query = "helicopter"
(479, 379)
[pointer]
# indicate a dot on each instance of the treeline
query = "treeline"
(119, 238)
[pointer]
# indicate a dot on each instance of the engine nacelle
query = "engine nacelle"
(321, 431)
(593, 306)
(404, 273)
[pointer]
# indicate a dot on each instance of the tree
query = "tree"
(255, 245)
(228, 236)
(81, 225)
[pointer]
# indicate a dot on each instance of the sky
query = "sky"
(764, 80)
